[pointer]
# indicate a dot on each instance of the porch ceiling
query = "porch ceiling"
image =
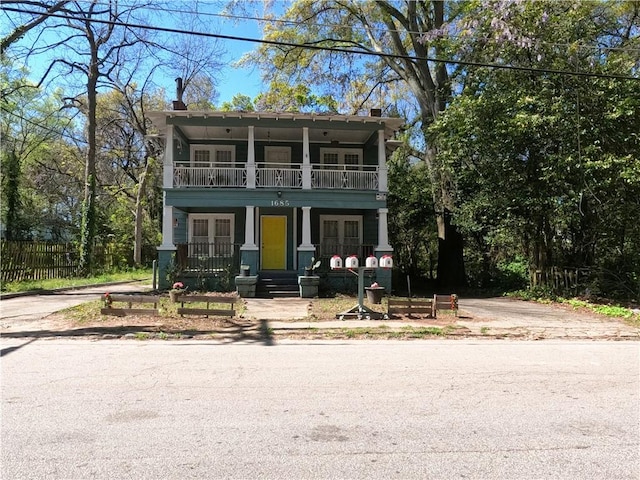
(276, 126)
(287, 134)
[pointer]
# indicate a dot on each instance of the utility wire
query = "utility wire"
(335, 49)
(229, 16)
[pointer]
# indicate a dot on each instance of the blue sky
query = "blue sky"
(230, 81)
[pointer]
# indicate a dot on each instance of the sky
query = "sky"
(230, 81)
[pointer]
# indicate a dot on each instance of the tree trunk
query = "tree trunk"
(88, 226)
(451, 272)
(137, 237)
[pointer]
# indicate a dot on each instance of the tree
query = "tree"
(398, 38)
(544, 160)
(30, 127)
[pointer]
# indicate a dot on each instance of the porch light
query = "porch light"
(279, 193)
(175, 223)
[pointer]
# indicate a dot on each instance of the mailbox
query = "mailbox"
(336, 262)
(386, 261)
(352, 262)
(372, 262)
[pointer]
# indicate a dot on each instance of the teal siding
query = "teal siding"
(207, 198)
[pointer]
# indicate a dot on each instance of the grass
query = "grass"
(57, 283)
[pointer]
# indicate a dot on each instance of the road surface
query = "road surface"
(77, 409)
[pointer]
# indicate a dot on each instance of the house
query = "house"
(271, 191)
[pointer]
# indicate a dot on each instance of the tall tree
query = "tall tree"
(398, 38)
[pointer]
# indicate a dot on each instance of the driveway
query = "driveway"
(508, 317)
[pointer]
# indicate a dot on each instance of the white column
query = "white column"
(383, 230)
(167, 225)
(167, 163)
(167, 182)
(382, 164)
(306, 160)
(306, 230)
(251, 159)
(249, 229)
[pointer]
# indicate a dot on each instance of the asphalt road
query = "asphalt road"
(76, 409)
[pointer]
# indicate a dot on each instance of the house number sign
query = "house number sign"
(279, 203)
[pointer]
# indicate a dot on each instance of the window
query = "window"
(210, 235)
(340, 234)
(277, 154)
(350, 157)
(211, 155)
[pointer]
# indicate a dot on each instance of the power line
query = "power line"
(336, 49)
(333, 25)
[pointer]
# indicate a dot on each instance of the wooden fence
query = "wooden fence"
(560, 280)
(36, 260)
(26, 260)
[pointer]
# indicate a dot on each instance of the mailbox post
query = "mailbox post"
(360, 310)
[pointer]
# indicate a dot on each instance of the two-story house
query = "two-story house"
(271, 191)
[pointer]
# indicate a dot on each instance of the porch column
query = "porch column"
(167, 182)
(383, 231)
(306, 229)
(306, 162)
(306, 250)
(382, 164)
(249, 229)
(251, 159)
(249, 250)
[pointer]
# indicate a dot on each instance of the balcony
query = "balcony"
(272, 175)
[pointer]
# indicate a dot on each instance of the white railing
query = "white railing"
(271, 175)
(280, 175)
(364, 177)
(219, 176)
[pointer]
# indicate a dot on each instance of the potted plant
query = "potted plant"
(177, 289)
(310, 269)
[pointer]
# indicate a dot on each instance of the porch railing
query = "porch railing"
(283, 175)
(219, 176)
(208, 257)
(361, 177)
(270, 175)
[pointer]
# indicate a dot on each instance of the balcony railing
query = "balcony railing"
(270, 175)
(362, 177)
(279, 175)
(219, 176)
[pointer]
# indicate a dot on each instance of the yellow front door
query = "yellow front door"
(274, 242)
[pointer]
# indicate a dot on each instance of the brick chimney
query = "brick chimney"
(179, 104)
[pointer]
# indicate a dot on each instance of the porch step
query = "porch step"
(277, 283)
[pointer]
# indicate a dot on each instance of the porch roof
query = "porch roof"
(275, 126)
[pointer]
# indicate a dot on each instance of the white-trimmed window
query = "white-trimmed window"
(210, 155)
(277, 154)
(341, 234)
(211, 235)
(351, 158)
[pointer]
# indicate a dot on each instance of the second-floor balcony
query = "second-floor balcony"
(273, 175)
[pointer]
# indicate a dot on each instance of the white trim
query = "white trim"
(341, 219)
(212, 149)
(341, 152)
(211, 218)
